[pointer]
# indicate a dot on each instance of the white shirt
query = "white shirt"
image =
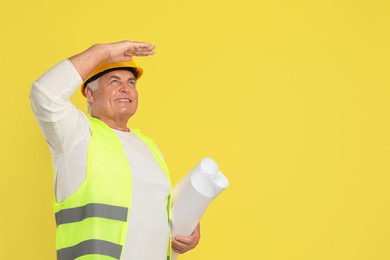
(67, 131)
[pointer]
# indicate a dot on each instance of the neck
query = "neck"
(123, 129)
(118, 124)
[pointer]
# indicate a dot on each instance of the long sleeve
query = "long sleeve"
(62, 124)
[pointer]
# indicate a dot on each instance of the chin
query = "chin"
(127, 113)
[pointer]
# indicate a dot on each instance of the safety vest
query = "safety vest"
(92, 222)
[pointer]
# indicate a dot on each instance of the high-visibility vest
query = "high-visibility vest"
(92, 222)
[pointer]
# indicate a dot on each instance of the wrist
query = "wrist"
(100, 52)
(89, 59)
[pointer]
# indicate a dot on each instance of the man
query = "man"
(112, 186)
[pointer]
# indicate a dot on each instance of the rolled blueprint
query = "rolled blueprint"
(193, 194)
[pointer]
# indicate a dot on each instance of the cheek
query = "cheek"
(107, 96)
(100, 93)
(135, 94)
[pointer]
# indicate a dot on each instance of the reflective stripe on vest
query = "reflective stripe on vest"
(89, 211)
(93, 246)
(92, 223)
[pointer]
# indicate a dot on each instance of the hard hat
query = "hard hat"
(106, 67)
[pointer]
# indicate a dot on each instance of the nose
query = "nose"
(125, 88)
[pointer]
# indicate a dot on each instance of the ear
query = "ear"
(89, 94)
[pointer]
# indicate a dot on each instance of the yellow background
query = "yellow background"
(291, 98)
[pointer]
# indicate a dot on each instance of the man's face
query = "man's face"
(116, 96)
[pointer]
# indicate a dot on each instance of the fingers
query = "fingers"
(177, 247)
(182, 244)
(139, 49)
(124, 50)
(182, 240)
(142, 45)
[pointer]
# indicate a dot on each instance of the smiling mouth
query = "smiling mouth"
(125, 100)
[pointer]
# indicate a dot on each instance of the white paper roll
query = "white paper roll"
(193, 194)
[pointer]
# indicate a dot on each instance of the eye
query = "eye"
(132, 82)
(114, 82)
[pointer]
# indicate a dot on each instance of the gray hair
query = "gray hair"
(93, 85)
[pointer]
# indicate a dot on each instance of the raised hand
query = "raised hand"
(124, 50)
(89, 59)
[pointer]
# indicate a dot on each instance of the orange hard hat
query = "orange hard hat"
(106, 67)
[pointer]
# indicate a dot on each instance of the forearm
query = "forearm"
(58, 118)
(89, 59)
